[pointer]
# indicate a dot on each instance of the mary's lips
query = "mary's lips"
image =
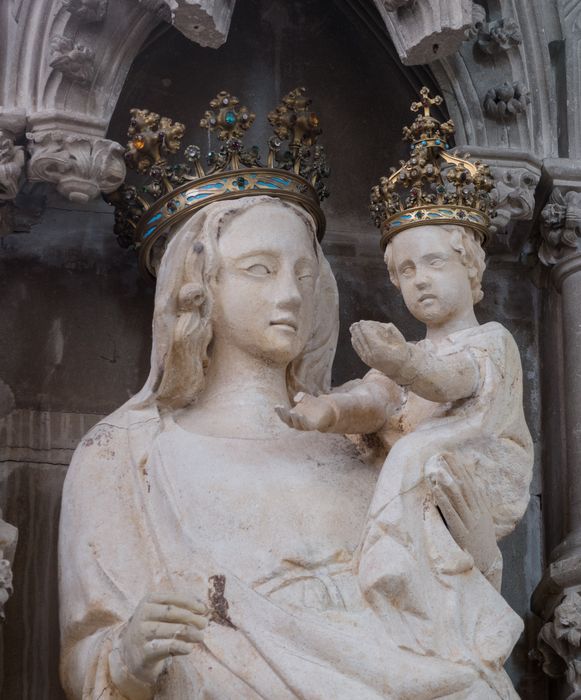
(285, 322)
(427, 296)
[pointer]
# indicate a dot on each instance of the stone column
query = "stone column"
(567, 279)
(557, 599)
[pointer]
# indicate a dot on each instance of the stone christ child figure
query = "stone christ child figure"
(448, 411)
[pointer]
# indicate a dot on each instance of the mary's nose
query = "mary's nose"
(287, 294)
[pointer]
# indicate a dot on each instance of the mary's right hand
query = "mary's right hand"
(163, 625)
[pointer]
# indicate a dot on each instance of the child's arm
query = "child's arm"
(358, 407)
(442, 379)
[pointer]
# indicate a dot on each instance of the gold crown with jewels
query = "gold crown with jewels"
(295, 172)
(432, 186)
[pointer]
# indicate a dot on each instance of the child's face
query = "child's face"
(433, 280)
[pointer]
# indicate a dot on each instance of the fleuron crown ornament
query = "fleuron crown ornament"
(432, 186)
(144, 215)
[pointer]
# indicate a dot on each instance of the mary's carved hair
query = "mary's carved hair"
(182, 321)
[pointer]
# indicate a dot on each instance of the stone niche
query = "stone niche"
(75, 332)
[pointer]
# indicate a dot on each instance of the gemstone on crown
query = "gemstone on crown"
(145, 214)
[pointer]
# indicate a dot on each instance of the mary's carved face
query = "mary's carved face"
(264, 297)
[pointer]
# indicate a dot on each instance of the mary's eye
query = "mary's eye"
(258, 270)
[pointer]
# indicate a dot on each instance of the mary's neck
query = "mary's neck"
(239, 397)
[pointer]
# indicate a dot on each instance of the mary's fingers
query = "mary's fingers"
(168, 630)
(156, 612)
(192, 604)
(158, 649)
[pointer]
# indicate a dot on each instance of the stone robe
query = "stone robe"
(324, 600)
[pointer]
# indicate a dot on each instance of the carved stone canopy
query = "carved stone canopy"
(425, 30)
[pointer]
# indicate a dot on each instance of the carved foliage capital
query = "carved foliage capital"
(515, 195)
(560, 226)
(506, 101)
(8, 538)
(394, 5)
(559, 641)
(87, 10)
(497, 36)
(11, 165)
(74, 61)
(81, 167)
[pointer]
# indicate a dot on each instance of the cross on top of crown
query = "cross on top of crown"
(426, 102)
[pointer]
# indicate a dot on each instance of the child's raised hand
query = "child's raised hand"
(381, 346)
(308, 413)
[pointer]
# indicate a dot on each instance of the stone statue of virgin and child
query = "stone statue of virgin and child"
(223, 534)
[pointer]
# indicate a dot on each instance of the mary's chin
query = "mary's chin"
(284, 345)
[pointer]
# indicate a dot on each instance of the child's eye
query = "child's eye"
(406, 272)
(437, 262)
(258, 270)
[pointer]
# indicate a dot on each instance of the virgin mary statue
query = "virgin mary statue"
(209, 551)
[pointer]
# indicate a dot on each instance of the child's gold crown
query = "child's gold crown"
(143, 215)
(432, 186)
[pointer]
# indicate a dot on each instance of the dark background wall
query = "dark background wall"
(75, 327)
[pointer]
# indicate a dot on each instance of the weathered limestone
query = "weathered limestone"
(497, 36)
(270, 518)
(516, 175)
(486, 120)
(204, 21)
(556, 598)
(65, 85)
(506, 101)
(8, 539)
(80, 166)
(425, 30)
